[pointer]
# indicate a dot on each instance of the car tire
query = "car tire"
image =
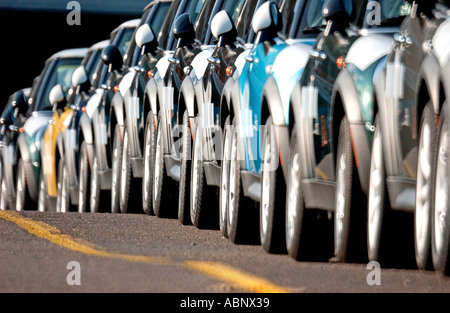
(99, 200)
(164, 187)
(273, 195)
(42, 204)
(424, 188)
(225, 178)
(130, 187)
(149, 155)
(203, 209)
(4, 196)
(85, 180)
(23, 199)
(441, 210)
(308, 234)
(185, 172)
(350, 242)
(242, 219)
(63, 204)
(116, 170)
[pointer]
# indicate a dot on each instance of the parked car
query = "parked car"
(332, 129)
(440, 215)
(200, 93)
(23, 181)
(56, 152)
(109, 117)
(12, 118)
(410, 95)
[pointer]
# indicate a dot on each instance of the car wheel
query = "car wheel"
(185, 172)
(116, 171)
(242, 219)
(302, 225)
(85, 180)
(224, 179)
(149, 152)
(273, 195)
(98, 198)
(349, 220)
(379, 236)
(441, 212)
(424, 191)
(4, 196)
(62, 199)
(42, 201)
(163, 186)
(204, 213)
(130, 192)
(23, 199)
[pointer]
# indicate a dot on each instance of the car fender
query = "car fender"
(304, 129)
(151, 93)
(275, 106)
(345, 87)
(427, 74)
(188, 93)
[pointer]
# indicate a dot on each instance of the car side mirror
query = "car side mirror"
(337, 14)
(146, 39)
(80, 79)
(267, 22)
(57, 98)
(223, 29)
(112, 57)
(183, 31)
(19, 104)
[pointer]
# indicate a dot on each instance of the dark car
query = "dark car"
(25, 162)
(410, 98)
(11, 119)
(202, 92)
(333, 112)
(109, 117)
(59, 150)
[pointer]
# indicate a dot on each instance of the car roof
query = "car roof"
(99, 45)
(128, 24)
(69, 53)
(155, 2)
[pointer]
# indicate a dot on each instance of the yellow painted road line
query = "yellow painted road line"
(52, 234)
(215, 270)
(235, 277)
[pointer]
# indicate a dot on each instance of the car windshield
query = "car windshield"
(201, 24)
(164, 33)
(311, 19)
(155, 21)
(124, 40)
(59, 73)
(233, 7)
(91, 65)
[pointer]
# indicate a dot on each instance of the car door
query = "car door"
(402, 70)
(318, 80)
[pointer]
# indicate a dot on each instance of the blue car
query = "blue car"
(279, 46)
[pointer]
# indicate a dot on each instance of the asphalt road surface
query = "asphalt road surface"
(139, 253)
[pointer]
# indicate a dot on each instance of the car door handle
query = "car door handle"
(174, 61)
(213, 60)
(105, 87)
(315, 54)
(250, 58)
(139, 69)
(51, 122)
(402, 39)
